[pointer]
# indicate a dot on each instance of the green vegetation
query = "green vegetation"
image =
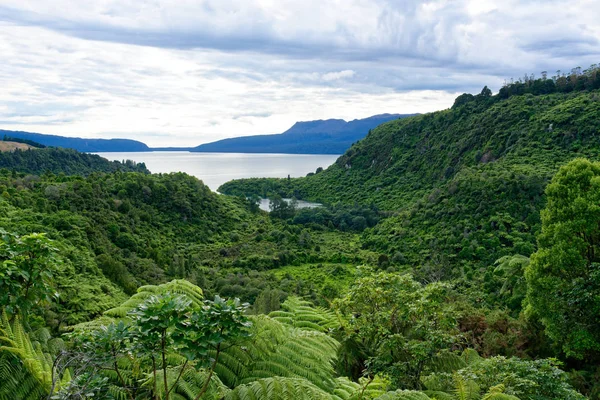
(462, 187)
(563, 279)
(456, 257)
(63, 161)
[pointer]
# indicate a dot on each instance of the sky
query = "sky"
(186, 72)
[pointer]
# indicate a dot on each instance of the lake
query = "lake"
(214, 169)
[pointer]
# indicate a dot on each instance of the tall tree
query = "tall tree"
(563, 279)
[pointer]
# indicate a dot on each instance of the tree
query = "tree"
(155, 330)
(171, 341)
(27, 266)
(563, 279)
(395, 327)
(509, 271)
(207, 330)
(485, 92)
(280, 208)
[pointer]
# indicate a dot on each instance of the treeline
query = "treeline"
(574, 81)
(63, 161)
(339, 216)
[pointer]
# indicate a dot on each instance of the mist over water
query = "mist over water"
(214, 169)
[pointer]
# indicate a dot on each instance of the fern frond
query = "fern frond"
(404, 395)
(278, 388)
(439, 395)
(177, 286)
(465, 389)
(497, 393)
(17, 382)
(500, 396)
(470, 356)
(302, 314)
(16, 342)
(447, 361)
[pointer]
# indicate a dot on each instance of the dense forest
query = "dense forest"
(456, 257)
(56, 160)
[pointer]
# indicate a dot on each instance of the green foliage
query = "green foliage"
(464, 185)
(161, 336)
(28, 263)
(509, 273)
(17, 380)
(59, 160)
(563, 279)
(404, 395)
(395, 327)
(301, 314)
(278, 388)
(576, 80)
(535, 380)
(281, 208)
(24, 365)
(511, 377)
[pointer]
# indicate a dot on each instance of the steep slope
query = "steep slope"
(79, 144)
(462, 186)
(332, 136)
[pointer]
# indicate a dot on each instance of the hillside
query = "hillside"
(59, 160)
(79, 144)
(11, 146)
(332, 136)
(463, 185)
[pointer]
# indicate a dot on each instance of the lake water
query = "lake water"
(266, 203)
(214, 169)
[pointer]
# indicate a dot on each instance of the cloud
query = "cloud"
(202, 70)
(334, 76)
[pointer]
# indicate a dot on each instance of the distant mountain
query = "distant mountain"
(79, 144)
(331, 136)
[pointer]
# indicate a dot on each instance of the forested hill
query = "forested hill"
(464, 184)
(332, 136)
(66, 161)
(79, 144)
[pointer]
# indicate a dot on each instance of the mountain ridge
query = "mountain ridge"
(79, 144)
(330, 136)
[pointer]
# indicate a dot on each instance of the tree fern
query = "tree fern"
(447, 361)
(465, 389)
(302, 314)
(16, 342)
(17, 382)
(279, 388)
(177, 286)
(275, 349)
(497, 393)
(188, 386)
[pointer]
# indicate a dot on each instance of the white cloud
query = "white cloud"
(186, 72)
(334, 76)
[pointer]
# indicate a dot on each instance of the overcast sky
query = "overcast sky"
(186, 72)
